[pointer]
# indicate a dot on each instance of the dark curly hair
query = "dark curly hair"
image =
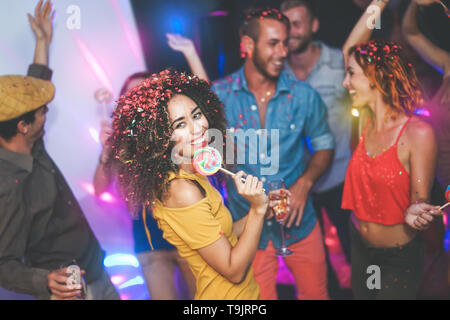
(250, 26)
(385, 65)
(140, 144)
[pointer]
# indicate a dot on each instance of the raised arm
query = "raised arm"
(42, 27)
(432, 54)
(361, 31)
(103, 178)
(184, 45)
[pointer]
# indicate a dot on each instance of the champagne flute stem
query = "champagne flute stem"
(283, 245)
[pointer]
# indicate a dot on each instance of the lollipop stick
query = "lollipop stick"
(233, 174)
(443, 5)
(444, 206)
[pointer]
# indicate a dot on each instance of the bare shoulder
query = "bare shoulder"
(182, 193)
(419, 131)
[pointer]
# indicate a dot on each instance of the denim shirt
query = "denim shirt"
(295, 111)
(326, 78)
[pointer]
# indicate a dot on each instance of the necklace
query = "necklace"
(268, 94)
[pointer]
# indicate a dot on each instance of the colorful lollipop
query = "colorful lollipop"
(445, 8)
(447, 197)
(208, 161)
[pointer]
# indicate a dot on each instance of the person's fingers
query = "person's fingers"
(259, 187)
(417, 224)
(254, 187)
(61, 287)
(48, 10)
(238, 182)
(292, 217)
(32, 22)
(427, 217)
(436, 211)
(421, 220)
(37, 9)
(59, 278)
(44, 10)
(247, 183)
(66, 295)
(299, 216)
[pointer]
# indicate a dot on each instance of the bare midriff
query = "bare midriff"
(384, 236)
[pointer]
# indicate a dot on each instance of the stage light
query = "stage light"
(422, 112)
(218, 13)
(117, 279)
(132, 282)
(94, 63)
(88, 187)
(177, 25)
(107, 197)
(94, 134)
(121, 259)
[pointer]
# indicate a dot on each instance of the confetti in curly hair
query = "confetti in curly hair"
(141, 143)
(384, 64)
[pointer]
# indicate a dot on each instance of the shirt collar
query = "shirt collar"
(324, 58)
(21, 160)
(239, 82)
(325, 55)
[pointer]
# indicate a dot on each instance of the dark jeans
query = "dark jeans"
(401, 268)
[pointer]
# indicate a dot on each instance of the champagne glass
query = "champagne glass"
(277, 192)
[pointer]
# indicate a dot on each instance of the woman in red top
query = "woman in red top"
(391, 172)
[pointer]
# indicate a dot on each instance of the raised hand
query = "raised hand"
(299, 191)
(42, 22)
(179, 43)
(252, 190)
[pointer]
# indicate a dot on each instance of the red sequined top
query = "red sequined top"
(378, 188)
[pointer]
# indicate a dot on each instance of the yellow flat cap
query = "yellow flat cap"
(20, 94)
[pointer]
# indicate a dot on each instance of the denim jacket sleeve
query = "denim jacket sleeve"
(316, 125)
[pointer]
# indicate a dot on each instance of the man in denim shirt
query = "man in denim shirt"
(261, 99)
(322, 67)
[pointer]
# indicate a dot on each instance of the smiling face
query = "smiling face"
(189, 125)
(303, 27)
(358, 84)
(270, 49)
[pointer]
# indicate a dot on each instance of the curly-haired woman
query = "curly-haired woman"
(391, 172)
(157, 126)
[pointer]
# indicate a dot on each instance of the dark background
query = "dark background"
(216, 37)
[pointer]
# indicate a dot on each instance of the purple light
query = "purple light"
(88, 187)
(118, 279)
(218, 14)
(94, 64)
(107, 197)
(422, 112)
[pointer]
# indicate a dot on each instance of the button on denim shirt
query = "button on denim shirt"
(295, 111)
(326, 78)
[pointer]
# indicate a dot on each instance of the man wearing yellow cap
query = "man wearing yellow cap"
(42, 227)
